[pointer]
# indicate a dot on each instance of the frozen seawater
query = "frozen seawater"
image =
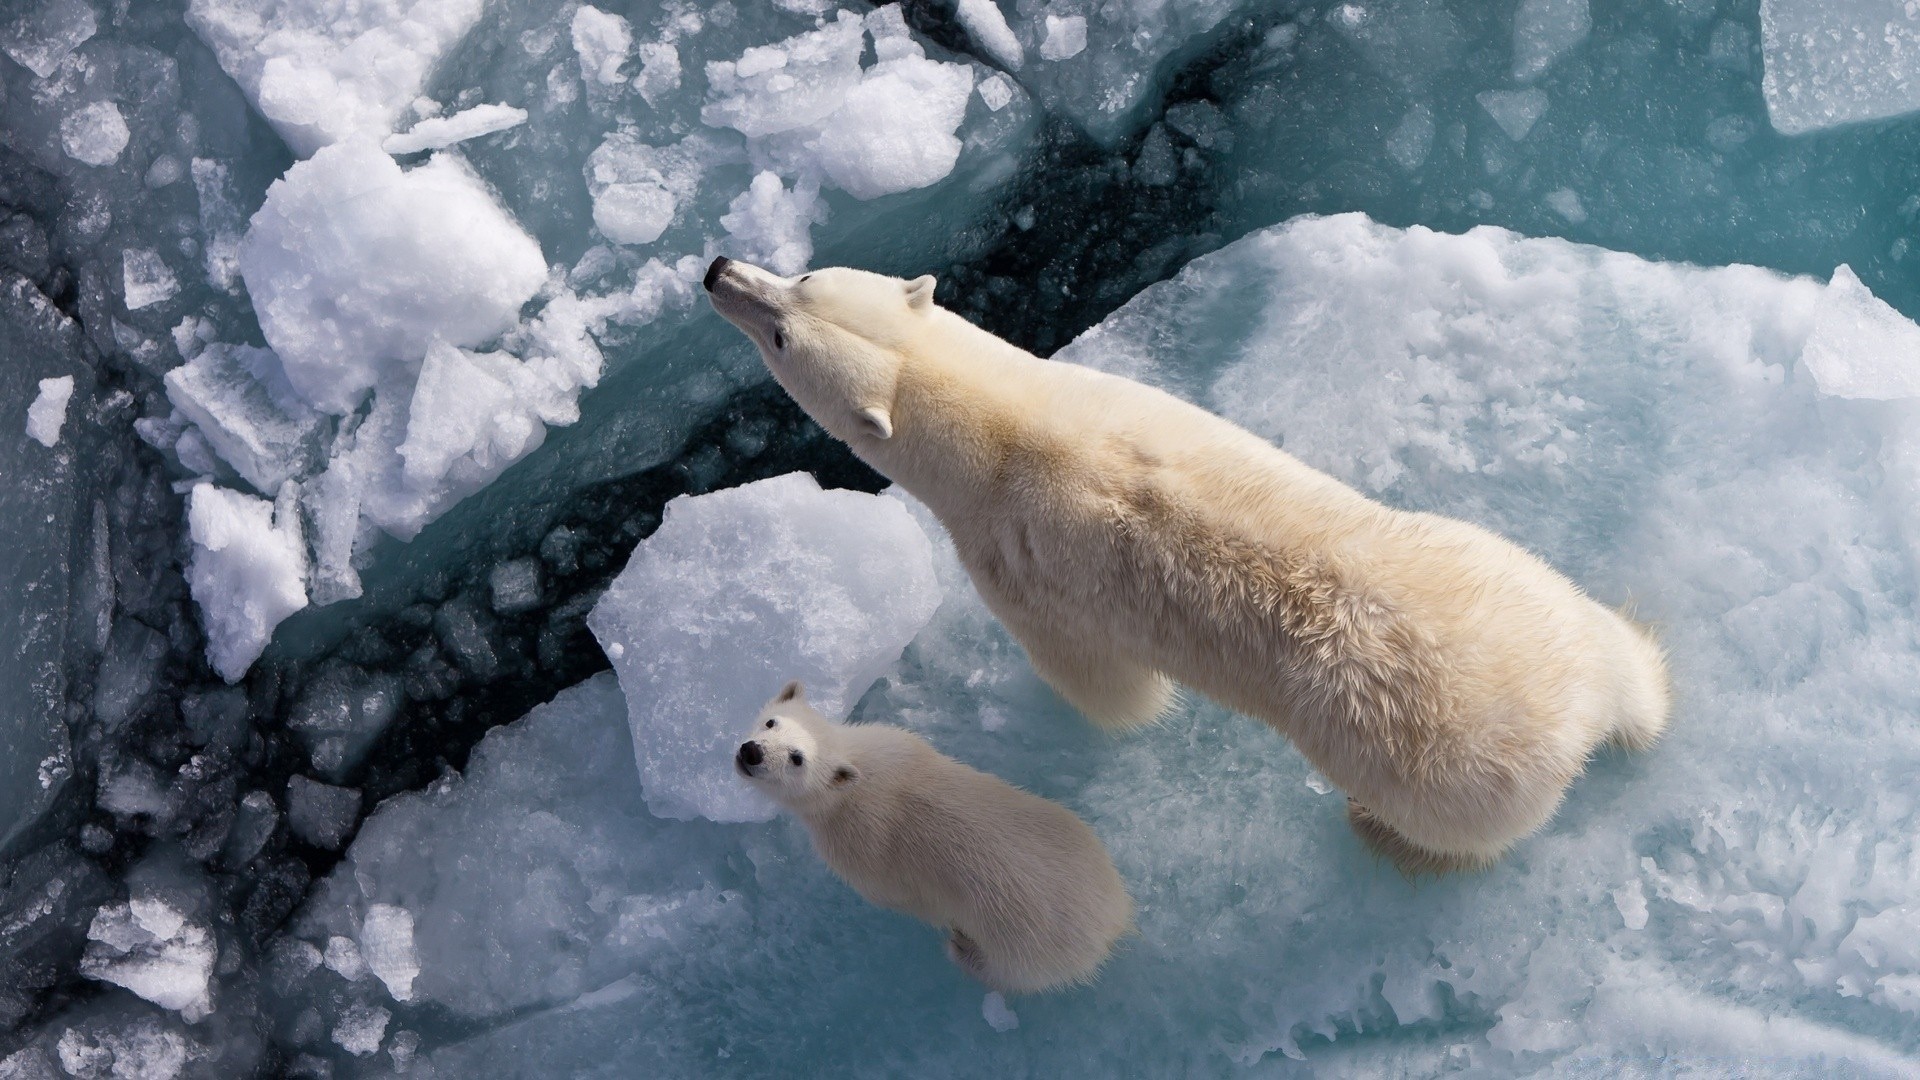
(738, 592)
(1831, 62)
(1737, 895)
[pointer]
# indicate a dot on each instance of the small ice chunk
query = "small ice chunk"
(322, 71)
(515, 585)
(360, 1029)
(637, 188)
(386, 940)
(248, 572)
(602, 42)
(321, 814)
(987, 26)
(471, 416)
(1516, 111)
(149, 947)
(788, 84)
(95, 134)
(341, 711)
(659, 72)
(896, 130)
(993, 1008)
(1544, 31)
(739, 591)
(146, 278)
(1860, 346)
(48, 413)
(1832, 62)
(253, 826)
(996, 92)
(343, 958)
(770, 224)
(40, 40)
(1631, 899)
(1066, 38)
(1412, 138)
(240, 399)
(1566, 203)
(354, 265)
(439, 132)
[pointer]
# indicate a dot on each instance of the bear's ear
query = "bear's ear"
(844, 775)
(920, 291)
(791, 690)
(875, 421)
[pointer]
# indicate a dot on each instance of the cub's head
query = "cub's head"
(791, 753)
(834, 338)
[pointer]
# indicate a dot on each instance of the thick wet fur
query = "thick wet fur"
(1450, 682)
(1025, 890)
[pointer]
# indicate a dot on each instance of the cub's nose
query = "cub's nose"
(714, 270)
(748, 756)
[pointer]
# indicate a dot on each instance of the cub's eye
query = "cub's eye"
(779, 340)
(797, 758)
(769, 723)
(803, 278)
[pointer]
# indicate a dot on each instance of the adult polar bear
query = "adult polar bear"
(1452, 684)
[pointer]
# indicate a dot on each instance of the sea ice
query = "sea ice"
(356, 266)
(248, 571)
(738, 592)
(151, 949)
(1831, 62)
(48, 413)
(41, 38)
(602, 41)
(323, 70)
(321, 814)
(1066, 37)
(145, 278)
(771, 225)
(1543, 31)
(987, 25)
(240, 400)
(1516, 111)
(95, 134)
(439, 132)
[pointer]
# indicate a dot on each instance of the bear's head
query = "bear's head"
(791, 753)
(834, 338)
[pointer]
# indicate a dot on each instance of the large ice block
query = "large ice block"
(1832, 62)
(738, 592)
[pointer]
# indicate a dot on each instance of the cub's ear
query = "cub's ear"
(791, 690)
(875, 421)
(920, 291)
(844, 775)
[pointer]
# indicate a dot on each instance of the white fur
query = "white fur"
(1451, 683)
(1025, 890)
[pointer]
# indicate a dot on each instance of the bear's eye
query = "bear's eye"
(804, 277)
(779, 340)
(769, 723)
(797, 758)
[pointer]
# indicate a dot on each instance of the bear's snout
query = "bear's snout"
(714, 270)
(748, 756)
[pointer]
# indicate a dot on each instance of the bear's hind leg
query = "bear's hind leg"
(1409, 858)
(1109, 690)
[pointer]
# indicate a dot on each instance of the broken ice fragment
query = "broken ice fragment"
(240, 399)
(321, 814)
(151, 949)
(788, 84)
(988, 28)
(739, 591)
(770, 223)
(361, 1028)
(386, 941)
(48, 413)
(1066, 37)
(1516, 111)
(95, 134)
(993, 1008)
(601, 41)
(438, 132)
(1832, 62)
(40, 39)
(1860, 346)
(248, 572)
(146, 278)
(1544, 31)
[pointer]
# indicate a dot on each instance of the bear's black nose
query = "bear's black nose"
(713, 272)
(749, 756)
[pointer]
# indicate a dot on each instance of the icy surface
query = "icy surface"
(740, 591)
(48, 413)
(151, 949)
(322, 70)
(1831, 62)
(357, 266)
(248, 572)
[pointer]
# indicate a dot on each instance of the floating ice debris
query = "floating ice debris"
(321, 814)
(1066, 37)
(1860, 347)
(48, 413)
(988, 28)
(602, 42)
(993, 1008)
(1516, 111)
(248, 571)
(40, 37)
(356, 266)
(151, 949)
(739, 591)
(1544, 31)
(95, 134)
(438, 132)
(321, 70)
(1832, 62)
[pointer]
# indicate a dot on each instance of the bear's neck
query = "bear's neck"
(961, 402)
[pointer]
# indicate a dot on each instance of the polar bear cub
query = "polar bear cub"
(1025, 890)
(1451, 683)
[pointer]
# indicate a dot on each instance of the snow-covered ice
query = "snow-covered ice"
(152, 949)
(740, 591)
(248, 571)
(1832, 62)
(48, 413)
